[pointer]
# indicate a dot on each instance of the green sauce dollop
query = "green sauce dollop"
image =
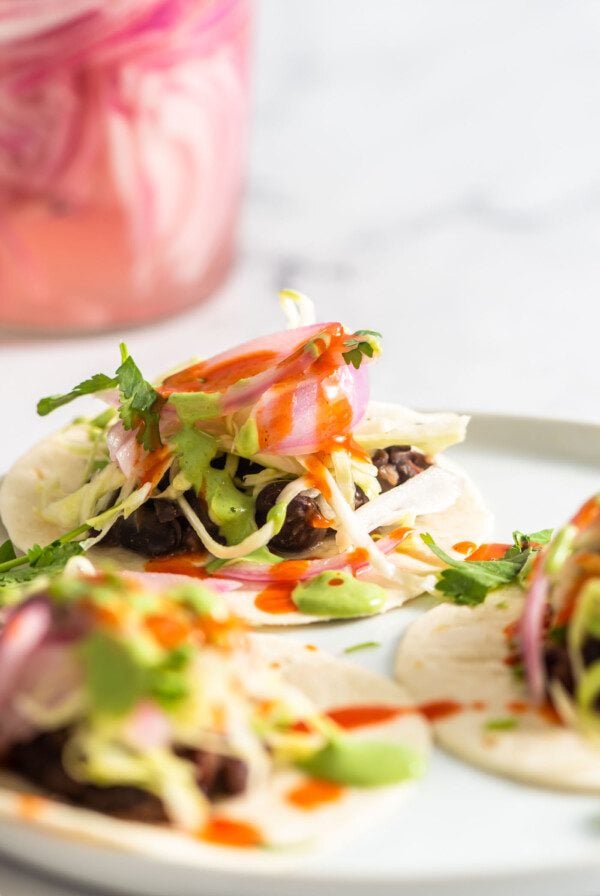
(338, 594)
(364, 763)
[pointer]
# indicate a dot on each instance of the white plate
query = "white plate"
(465, 832)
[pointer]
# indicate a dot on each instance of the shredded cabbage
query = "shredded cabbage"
(391, 424)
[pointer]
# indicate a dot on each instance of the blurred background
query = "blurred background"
(425, 169)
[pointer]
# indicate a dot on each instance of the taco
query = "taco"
(127, 709)
(265, 467)
(515, 680)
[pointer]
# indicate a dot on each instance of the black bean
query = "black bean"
(396, 464)
(297, 535)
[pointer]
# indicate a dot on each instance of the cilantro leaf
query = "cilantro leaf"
(48, 560)
(140, 402)
(7, 551)
(358, 348)
(53, 555)
(96, 383)
(468, 582)
(523, 542)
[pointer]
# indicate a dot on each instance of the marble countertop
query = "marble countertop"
(425, 169)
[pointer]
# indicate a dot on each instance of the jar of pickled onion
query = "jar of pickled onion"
(122, 142)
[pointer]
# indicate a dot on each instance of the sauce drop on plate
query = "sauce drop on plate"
(314, 793)
(224, 831)
(276, 599)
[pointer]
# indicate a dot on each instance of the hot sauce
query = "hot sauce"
(314, 793)
(224, 831)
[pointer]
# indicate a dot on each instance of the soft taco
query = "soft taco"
(516, 678)
(151, 720)
(265, 467)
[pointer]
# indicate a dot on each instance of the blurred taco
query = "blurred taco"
(517, 678)
(155, 707)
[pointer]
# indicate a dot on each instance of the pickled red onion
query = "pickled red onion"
(300, 571)
(531, 631)
(291, 367)
(24, 629)
(273, 349)
(123, 448)
(296, 418)
(161, 580)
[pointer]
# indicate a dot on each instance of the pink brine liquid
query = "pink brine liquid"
(122, 145)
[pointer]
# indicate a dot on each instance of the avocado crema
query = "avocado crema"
(150, 704)
(338, 595)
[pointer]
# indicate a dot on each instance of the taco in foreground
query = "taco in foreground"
(265, 467)
(156, 707)
(516, 679)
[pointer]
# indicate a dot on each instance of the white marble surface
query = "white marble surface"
(423, 168)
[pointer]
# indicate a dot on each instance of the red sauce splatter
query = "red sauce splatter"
(349, 717)
(464, 547)
(493, 551)
(211, 376)
(518, 706)
(441, 709)
(276, 599)
(336, 581)
(30, 806)
(183, 565)
(317, 476)
(358, 557)
(276, 421)
(549, 714)
(225, 831)
(289, 570)
(168, 631)
(314, 793)
(509, 631)
(318, 521)
(513, 659)
(155, 465)
(587, 514)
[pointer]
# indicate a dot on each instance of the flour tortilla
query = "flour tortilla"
(329, 683)
(458, 653)
(59, 462)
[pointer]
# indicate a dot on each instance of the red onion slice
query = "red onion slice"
(160, 580)
(25, 628)
(260, 573)
(531, 632)
(305, 417)
(123, 448)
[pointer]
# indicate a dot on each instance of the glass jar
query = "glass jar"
(122, 145)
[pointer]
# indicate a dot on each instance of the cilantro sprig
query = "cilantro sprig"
(140, 402)
(468, 582)
(359, 348)
(46, 560)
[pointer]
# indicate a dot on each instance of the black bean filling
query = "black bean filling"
(159, 527)
(40, 761)
(557, 662)
(396, 464)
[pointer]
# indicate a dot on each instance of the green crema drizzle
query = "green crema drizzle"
(229, 508)
(364, 763)
(339, 595)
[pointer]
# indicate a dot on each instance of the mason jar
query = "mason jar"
(122, 146)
